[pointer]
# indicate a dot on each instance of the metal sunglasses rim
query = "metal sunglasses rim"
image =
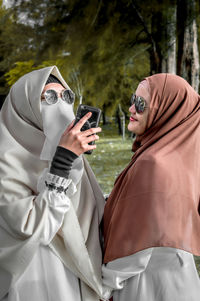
(68, 98)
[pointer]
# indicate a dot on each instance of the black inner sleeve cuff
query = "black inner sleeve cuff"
(62, 162)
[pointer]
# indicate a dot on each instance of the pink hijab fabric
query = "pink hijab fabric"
(156, 199)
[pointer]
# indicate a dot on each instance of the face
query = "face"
(56, 117)
(138, 121)
(53, 86)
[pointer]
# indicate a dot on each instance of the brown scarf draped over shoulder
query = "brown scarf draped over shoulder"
(156, 199)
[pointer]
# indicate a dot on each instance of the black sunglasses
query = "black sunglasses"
(139, 102)
(51, 96)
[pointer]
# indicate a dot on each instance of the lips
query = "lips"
(132, 119)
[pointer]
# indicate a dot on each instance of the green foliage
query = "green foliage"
(102, 47)
(91, 39)
(20, 69)
(104, 58)
(197, 261)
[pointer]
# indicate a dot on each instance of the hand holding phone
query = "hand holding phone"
(80, 135)
(92, 122)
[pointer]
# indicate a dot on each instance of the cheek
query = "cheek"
(143, 124)
(142, 127)
(146, 119)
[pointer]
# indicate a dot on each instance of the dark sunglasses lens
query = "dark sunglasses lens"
(68, 96)
(140, 104)
(132, 99)
(50, 97)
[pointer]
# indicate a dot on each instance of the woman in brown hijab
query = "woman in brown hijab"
(151, 220)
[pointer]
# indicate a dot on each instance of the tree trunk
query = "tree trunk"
(104, 114)
(188, 55)
(118, 121)
(104, 118)
(169, 47)
(123, 121)
(163, 32)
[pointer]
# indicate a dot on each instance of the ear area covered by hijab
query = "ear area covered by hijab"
(21, 112)
(156, 198)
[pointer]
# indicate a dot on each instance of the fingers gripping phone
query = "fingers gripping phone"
(92, 122)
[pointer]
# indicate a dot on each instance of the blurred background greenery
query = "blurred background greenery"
(111, 156)
(102, 48)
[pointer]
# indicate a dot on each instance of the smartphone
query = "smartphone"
(92, 122)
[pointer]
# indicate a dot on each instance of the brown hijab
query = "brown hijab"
(155, 200)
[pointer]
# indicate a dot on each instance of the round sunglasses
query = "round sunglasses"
(139, 102)
(51, 96)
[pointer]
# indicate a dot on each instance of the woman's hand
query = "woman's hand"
(77, 141)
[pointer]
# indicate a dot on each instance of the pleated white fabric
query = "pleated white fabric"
(46, 278)
(154, 274)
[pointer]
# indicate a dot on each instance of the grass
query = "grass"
(110, 158)
(197, 261)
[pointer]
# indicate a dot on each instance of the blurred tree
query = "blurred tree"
(92, 37)
(160, 30)
(5, 24)
(188, 53)
(162, 24)
(75, 77)
(20, 69)
(102, 48)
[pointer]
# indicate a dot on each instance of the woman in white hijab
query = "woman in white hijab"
(50, 205)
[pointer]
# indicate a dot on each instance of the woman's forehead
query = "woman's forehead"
(143, 90)
(54, 86)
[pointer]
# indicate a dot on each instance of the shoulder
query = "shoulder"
(149, 161)
(152, 169)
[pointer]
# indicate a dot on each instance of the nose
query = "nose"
(132, 109)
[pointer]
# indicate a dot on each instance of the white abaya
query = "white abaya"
(46, 278)
(154, 274)
(49, 240)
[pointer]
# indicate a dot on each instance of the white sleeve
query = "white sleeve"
(116, 272)
(54, 198)
(26, 214)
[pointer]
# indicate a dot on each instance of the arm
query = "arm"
(25, 213)
(117, 272)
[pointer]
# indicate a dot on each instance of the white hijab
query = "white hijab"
(22, 139)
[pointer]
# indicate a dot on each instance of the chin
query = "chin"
(135, 130)
(131, 128)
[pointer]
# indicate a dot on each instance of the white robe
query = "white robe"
(30, 217)
(154, 274)
(46, 278)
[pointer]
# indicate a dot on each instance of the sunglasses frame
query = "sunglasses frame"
(69, 99)
(139, 102)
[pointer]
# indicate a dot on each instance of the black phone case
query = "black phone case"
(92, 122)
